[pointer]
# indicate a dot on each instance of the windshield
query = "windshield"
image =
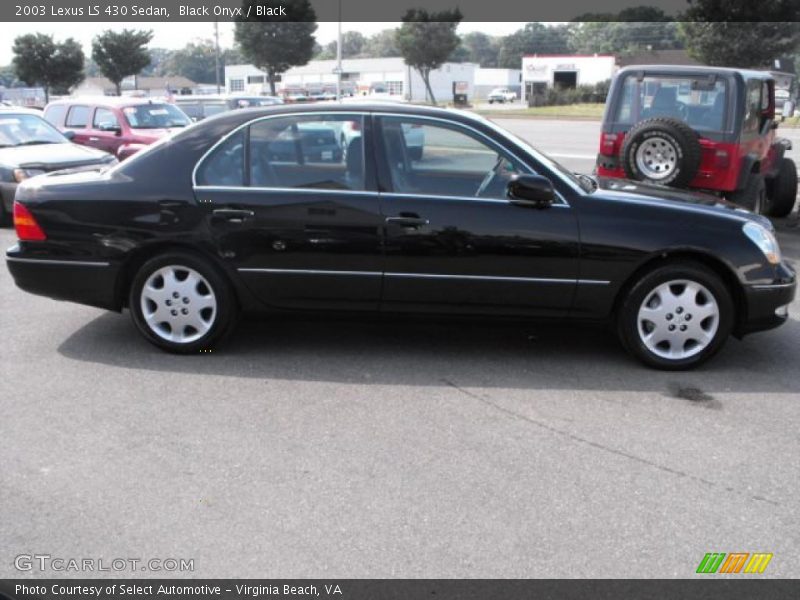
(699, 101)
(27, 130)
(155, 116)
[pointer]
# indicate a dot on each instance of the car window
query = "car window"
(753, 107)
(55, 114)
(155, 116)
(214, 108)
(225, 165)
(192, 110)
(78, 116)
(319, 152)
(444, 160)
(22, 129)
(104, 119)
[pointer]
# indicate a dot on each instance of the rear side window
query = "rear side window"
(225, 165)
(78, 116)
(55, 114)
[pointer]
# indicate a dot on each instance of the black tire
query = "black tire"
(783, 189)
(628, 325)
(223, 317)
(753, 196)
(677, 133)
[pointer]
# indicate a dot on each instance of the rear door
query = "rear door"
(295, 213)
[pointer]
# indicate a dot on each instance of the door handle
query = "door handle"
(234, 215)
(408, 221)
(94, 139)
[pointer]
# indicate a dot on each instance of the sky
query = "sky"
(176, 35)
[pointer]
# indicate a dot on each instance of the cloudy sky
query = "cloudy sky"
(176, 35)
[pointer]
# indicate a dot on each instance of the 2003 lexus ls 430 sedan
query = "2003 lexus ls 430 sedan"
(247, 212)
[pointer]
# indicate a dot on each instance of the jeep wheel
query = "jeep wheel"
(784, 189)
(661, 150)
(753, 196)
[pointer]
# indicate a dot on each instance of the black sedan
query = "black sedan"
(30, 146)
(209, 224)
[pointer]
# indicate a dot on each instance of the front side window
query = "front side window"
(444, 160)
(105, 119)
(77, 117)
(155, 116)
(225, 165)
(317, 152)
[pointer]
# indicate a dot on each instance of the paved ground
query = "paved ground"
(335, 448)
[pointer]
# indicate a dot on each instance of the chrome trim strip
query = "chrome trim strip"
(480, 277)
(772, 286)
(309, 272)
(562, 204)
(593, 282)
(284, 190)
(49, 261)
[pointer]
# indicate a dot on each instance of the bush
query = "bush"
(583, 94)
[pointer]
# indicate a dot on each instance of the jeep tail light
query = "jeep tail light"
(722, 160)
(28, 229)
(608, 144)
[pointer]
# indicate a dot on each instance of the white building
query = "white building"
(543, 71)
(487, 80)
(364, 76)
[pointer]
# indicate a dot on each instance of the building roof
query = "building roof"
(658, 57)
(142, 83)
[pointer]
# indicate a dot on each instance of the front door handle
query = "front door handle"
(409, 221)
(234, 215)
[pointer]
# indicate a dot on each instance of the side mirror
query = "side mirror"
(531, 190)
(69, 134)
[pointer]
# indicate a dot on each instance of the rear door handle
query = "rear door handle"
(94, 139)
(234, 215)
(407, 221)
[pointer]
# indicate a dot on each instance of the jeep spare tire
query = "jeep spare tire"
(661, 150)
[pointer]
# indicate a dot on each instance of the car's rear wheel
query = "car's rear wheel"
(661, 150)
(181, 303)
(783, 189)
(753, 196)
(676, 316)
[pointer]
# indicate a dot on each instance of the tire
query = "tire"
(783, 189)
(661, 150)
(753, 196)
(680, 294)
(210, 306)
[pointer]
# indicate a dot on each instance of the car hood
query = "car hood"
(50, 157)
(626, 189)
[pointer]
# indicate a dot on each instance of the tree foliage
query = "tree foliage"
(382, 44)
(533, 38)
(627, 32)
(426, 40)
(741, 33)
(275, 44)
(481, 49)
(353, 43)
(39, 60)
(121, 54)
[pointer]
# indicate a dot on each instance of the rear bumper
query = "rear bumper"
(84, 281)
(767, 305)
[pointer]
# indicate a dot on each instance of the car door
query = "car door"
(454, 241)
(295, 213)
(77, 121)
(106, 131)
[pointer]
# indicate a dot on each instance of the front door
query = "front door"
(454, 242)
(293, 205)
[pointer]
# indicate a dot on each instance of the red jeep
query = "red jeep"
(705, 128)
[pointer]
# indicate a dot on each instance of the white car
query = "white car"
(501, 95)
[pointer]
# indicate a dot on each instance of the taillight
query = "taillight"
(608, 144)
(722, 160)
(28, 229)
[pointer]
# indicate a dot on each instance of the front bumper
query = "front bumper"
(91, 282)
(767, 305)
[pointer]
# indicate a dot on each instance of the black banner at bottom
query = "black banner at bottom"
(405, 589)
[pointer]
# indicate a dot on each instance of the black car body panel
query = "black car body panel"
(375, 249)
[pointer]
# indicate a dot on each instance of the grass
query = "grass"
(791, 123)
(567, 111)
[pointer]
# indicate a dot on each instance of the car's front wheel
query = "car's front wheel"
(181, 303)
(676, 316)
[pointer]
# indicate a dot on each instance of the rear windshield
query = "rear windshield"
(699, 101)
(155, 116)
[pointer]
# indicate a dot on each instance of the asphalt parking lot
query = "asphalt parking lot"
(395, 448)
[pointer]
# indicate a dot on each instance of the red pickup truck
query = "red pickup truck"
(118, 125)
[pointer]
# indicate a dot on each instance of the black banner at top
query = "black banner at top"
(380, 10)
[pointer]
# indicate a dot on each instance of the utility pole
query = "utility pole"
(339, 57)
(216, 54)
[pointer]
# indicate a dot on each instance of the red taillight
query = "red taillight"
(28, 229)
(608, 144)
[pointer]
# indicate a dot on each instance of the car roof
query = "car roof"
(697, 70)
(109, 101)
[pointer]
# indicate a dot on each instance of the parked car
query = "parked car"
(205, 224)
(198, 108)
(413, 135)
(703, 128)
(118, 125)
(501, 95)
(30, 146)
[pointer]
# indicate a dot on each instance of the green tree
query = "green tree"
(740, 33)
(120, 55)
(8, 77)
(195, 61)
(534, 38)
(381, 44)
(276, 44)
(426, 40)
(481, 49)
(38, 60)
(353, 43)
(159, 59)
